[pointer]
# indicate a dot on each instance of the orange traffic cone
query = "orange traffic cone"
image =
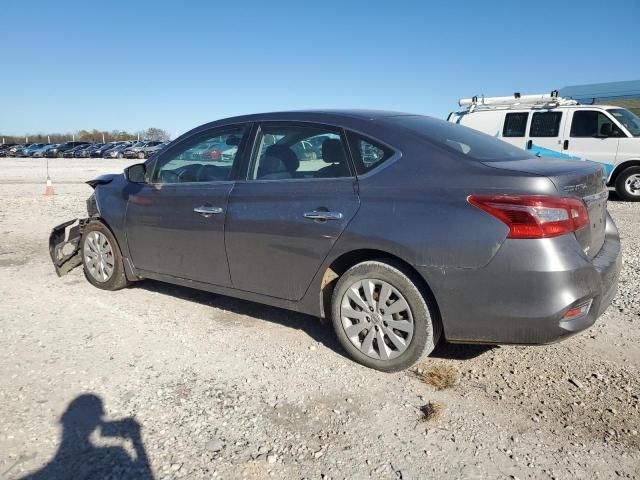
(49, 191)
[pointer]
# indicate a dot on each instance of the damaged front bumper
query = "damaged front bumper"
(64, 245)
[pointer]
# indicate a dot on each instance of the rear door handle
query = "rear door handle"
(207, 210)
(565, 145)
(320, 215)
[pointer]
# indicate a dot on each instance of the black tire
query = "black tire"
(622, 187)
(120, 155)
(426, 321)
(59, 155)
(118, 279)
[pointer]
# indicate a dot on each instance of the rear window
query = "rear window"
(461, 140)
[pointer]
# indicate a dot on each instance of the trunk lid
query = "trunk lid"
(584, 180)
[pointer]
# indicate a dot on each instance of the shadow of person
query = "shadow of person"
(312, 326)
(78, 458)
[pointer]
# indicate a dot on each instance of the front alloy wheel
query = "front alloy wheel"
(98, 256)
(101, 257)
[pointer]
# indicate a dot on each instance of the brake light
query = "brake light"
(534, 216)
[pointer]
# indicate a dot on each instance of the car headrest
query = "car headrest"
(286, 155)
(271, 164)
(233, 140)
(332, 151)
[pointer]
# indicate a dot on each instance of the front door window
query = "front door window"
(206, 158)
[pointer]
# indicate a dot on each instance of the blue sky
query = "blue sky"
(174, 65)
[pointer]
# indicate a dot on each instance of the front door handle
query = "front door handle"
(321, 215)
(207, 210)
(565, 145)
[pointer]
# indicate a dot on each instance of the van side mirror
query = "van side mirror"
(136, 173)
(606, 129)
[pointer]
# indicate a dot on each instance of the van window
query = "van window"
(515, 124)
(628, 119)
(545, 124)
(589, 123)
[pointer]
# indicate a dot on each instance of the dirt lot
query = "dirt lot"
(204, 386)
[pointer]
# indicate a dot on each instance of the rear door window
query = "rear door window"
(288, 151)
(515, 124)
(545, 124)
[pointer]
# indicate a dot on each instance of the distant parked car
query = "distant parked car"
(5, 149)
(13, 151)
(26, 151)
(59, 150)
(88, 150)
(148, 151)
(138, 150)
(71, 153)
(100, 151)
(41, 152)
(117, 151)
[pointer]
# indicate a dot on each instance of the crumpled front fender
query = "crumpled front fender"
(64, 245)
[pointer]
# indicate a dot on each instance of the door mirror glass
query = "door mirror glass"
(136, 173)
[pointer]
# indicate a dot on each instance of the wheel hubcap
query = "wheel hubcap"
(98, 256)
(632, 184)
(377, 319)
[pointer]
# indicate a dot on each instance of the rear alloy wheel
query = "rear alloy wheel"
(381, 317)
(120, 155)
(628, 184)
(101, 258)
(140, 155)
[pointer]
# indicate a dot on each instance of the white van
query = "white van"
(550, 126)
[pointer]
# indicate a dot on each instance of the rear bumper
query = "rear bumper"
(522, 294)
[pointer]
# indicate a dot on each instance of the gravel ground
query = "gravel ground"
(159, 381)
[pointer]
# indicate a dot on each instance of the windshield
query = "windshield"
(461, 140)
(627, 118)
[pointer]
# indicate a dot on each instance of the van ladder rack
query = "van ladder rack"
(544, 100)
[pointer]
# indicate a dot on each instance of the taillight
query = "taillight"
(534, 216)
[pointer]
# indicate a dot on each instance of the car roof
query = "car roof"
(320, 114)
(353, 118)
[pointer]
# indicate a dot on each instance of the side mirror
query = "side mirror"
(136, 173)
(606, 129)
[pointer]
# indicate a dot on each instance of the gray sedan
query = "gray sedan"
(402, 230)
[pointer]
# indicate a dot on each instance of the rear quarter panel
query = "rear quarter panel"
(417, 209)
